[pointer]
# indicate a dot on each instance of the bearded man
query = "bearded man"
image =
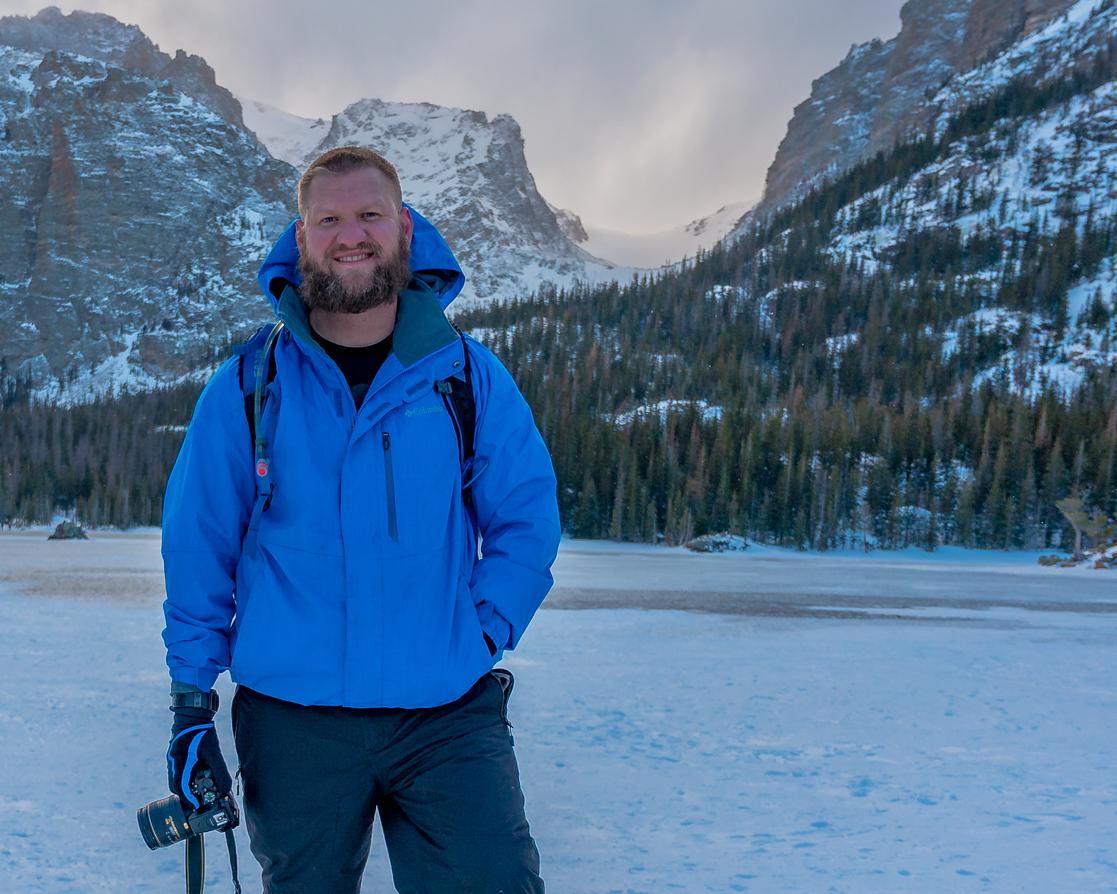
(335, 571)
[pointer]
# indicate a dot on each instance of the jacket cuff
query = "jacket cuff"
(192, 678)
(494, 626)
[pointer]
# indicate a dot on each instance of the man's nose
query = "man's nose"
(352, 232)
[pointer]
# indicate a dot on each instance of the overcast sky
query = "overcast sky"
(638, 115)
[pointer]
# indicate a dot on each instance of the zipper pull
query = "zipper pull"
(387, 440)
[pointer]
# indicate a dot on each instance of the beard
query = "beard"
(327, 291)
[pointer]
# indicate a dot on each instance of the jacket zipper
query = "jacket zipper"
(393, 531)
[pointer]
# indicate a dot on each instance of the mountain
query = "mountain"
(464, 171)
(141, 204)
(102, 37)
(883, 92)
(914, 346)
(665, 247)
(139, 207)
(1026, 150)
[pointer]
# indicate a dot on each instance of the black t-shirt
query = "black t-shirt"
(358, 365)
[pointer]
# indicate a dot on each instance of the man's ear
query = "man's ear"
(300, 236)
(406, 222)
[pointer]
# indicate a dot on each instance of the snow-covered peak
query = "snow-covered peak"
(664, 247)
(81, 33)
(290, 138)
(467, 173)
(101, 37)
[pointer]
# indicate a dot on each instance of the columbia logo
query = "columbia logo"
(422, 411)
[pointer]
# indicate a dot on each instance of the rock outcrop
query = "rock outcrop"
(136, 210)
(98, 36)
(882, 91)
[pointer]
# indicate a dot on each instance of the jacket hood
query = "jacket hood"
(431, 260)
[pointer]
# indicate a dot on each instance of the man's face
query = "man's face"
(353, 242)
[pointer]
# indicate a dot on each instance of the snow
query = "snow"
(1080, 295)
(17, 67)
(245, 228)
(995, 319)
(290, 138)
(663, 408)
(837, 344)
(1028, 175)
(1058, 45)
(115, 375)
(668, 246)
(765, 721)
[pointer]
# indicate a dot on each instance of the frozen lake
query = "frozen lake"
(764, 722)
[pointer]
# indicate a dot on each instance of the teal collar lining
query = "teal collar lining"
(421, 326)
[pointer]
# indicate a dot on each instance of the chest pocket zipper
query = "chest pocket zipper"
(390, 482)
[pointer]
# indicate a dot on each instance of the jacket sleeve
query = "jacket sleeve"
(205, 513)
(515, 505)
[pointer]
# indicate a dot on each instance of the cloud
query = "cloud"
(637, 114)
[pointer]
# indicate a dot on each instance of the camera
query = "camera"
(164, 822)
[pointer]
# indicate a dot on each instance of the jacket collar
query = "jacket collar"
(421, 326)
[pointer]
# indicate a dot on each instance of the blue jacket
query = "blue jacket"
(366, 587)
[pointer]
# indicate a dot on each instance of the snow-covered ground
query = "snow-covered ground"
(765, 722)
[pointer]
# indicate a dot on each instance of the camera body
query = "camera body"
(165, 822)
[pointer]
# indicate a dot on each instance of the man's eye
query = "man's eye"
(327, 220)
(370, 215)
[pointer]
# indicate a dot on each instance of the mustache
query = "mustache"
(375, 250)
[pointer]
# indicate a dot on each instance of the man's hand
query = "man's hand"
(194, 750)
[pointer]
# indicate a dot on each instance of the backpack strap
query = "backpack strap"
(249, 354)
(257, 369)
(457, 395)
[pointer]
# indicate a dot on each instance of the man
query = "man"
(336, 572)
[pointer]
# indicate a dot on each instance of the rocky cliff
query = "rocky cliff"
(137, 208)
(882, 91)
(102, 37)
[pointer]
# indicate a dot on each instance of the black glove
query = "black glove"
(196, 771)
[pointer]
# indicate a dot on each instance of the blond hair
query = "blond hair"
(342, 160)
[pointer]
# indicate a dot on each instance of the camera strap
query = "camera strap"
(196, 862)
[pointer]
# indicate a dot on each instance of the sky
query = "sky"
(637, 115)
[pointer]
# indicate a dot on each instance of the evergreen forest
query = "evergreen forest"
(770, 387)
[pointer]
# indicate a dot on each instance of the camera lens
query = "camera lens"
(162, 822)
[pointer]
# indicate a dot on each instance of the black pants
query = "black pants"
(444, 781)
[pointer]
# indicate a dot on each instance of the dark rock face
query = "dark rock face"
(879, 93)
(829, 130)
(102, 37)
(993, 24)
(138, 211)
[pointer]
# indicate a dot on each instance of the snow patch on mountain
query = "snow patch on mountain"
(664, 247)
(1030, 175)
(1051, 51)
(290, 138)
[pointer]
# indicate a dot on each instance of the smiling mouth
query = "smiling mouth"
(354, 258)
